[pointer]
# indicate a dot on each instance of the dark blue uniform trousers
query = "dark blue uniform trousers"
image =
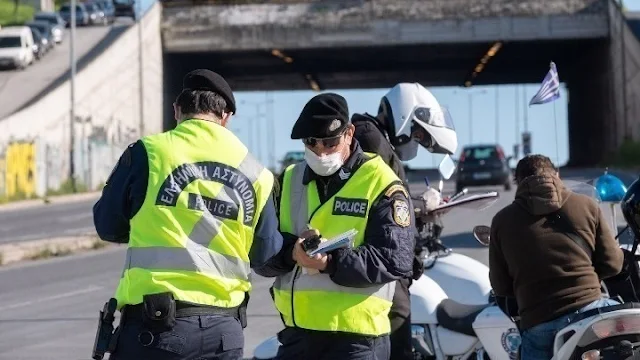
(320, 345)
(210, 337)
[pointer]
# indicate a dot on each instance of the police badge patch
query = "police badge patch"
(401, 213)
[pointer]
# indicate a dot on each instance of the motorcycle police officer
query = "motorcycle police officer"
(342, 311)
(197, 212)
(408, 116)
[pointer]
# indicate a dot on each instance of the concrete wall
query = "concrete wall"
(34, 143)
(624, 57)
(379, 23)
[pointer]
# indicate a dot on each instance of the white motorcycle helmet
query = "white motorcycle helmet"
(416, 118)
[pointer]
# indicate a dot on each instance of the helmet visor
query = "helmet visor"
(434, 116)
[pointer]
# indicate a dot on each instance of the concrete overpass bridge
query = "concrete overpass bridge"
(288, 44)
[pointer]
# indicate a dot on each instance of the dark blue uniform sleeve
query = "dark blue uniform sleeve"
(388, 251)
(283, 262)
(267, 241)
(123, 195)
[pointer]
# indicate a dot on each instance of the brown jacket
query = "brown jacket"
(548, 273)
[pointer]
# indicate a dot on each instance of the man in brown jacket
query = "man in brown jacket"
(534, 261)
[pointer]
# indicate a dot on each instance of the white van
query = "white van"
(16, 47)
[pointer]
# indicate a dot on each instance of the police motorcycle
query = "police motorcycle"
(607, 333)
(451, 293)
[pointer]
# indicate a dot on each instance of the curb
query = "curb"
(47, 248)
(60, 199)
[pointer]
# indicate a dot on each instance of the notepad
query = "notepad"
(340, 241)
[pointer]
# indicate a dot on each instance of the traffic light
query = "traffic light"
(526, 143)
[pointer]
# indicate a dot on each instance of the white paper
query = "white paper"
(343, 240)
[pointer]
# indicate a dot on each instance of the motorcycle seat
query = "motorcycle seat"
(458, 317)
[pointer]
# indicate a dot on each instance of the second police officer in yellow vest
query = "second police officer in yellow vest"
(342, 311)
(196, 210)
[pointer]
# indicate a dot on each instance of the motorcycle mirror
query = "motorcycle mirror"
(447, 167)
(482, 233)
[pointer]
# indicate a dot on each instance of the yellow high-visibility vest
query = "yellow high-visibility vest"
(314, 301)
(193, 233)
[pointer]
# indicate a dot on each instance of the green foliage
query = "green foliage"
(628, 155)
(12, 15)
(66, 188)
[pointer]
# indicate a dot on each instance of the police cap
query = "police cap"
(325, 115)
(207, 80)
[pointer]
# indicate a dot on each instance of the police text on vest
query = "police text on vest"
(350, 207)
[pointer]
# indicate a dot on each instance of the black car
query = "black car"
(483, 165)
(39, 44)
(45, 30)
(125, 8)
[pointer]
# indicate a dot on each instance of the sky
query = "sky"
(545, 122)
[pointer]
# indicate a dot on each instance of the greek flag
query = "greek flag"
(550, 88)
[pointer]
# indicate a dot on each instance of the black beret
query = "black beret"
(203, 79)
(325, 115)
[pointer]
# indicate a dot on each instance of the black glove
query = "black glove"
(418, 267)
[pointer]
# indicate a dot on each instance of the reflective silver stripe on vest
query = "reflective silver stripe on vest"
(299, 212)
(299, 207)
(324, 283)
(196, 256)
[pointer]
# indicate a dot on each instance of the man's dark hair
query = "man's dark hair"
(534, 165)
(201, 102)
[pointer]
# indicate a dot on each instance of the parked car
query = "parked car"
(82, 15)
(125, 8)
(46, 31)
(96, 15)
(483, 165)
(107, 8)
(291, 157)
(56, 22)
(39, 44)
(16, 47)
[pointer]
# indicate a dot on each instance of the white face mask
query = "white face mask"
(325, 165)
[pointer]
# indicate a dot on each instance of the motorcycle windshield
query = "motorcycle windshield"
(583, 188)
(476, 202)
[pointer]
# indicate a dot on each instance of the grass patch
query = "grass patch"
(627, 156)
(99, 244)
(66, 188)
(49, 253)
(10, 15)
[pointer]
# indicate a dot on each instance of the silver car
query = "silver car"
(57, 24)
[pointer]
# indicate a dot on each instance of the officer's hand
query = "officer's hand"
(318, 261)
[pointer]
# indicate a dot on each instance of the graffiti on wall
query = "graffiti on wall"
(18, 169)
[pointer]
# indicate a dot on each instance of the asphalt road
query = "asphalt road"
(50, 307)
(22, 88)
(46, 221)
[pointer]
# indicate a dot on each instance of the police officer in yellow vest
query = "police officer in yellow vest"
(340, 312)
(197, 211)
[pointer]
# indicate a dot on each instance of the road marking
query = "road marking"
(54, 297)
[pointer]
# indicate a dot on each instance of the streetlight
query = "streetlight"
(140, 66)
(252, 119)
(72, 110)
(470, 95)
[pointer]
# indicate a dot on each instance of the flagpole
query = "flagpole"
(555, 125)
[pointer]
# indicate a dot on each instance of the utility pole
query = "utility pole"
(72, 110)
(272, 128)
(497, 115)
(517, 103)
(140, 65)
(526, 108)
